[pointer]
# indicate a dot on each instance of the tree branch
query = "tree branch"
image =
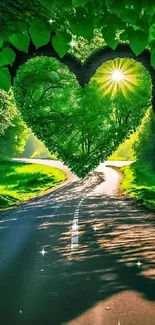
(46, 90)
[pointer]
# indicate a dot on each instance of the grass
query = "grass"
(20, 182)
(139, 183)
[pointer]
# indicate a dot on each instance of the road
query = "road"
(81, 255)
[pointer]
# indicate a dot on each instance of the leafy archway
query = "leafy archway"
(84, 72)
(50, 28)
(47, 26)
(80, 124)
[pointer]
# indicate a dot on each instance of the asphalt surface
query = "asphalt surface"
(81, 255)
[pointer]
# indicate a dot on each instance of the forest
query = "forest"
(48, 109)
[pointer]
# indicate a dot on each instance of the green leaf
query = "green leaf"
(5, 79)
(151, 35)
(9, 55)
(114, 21)
(21, 41)
(3, 61)
(138, 40)
(39, 33)
(61, 44)
(117, 6)
(124, 36)
(142, 24)
(109, 35)
(129, 16)
(83, 28)
(79, 3)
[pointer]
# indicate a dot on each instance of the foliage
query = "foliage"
(139, 178)
(7, 111)
(124, 151)
(139, 183)
(82, 48)
(13, 141)
(79, 124)
(20, 182)
(35, 148)
(144, 140)
(14, 132)
(43, 21)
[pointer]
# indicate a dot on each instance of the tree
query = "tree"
(7, 111)
(35, 148)
(144, 140)
(29, 25)
(80, 125)
(14, 132)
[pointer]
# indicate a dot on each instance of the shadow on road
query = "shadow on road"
(113, 236)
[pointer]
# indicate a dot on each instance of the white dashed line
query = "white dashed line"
(75, 226)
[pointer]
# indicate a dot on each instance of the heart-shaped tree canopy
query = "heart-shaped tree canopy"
(83, 126)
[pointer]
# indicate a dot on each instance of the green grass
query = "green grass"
(139, 183)
(20, 182)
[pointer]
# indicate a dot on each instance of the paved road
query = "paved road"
(72, 256)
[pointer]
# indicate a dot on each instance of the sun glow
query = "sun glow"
(118, 75)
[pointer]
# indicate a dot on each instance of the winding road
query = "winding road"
(80, 255)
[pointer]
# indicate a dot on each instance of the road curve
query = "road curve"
(78, 256)
(111, 177)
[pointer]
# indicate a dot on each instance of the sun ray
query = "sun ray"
(118, 75)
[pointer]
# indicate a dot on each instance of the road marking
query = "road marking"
(75, 227)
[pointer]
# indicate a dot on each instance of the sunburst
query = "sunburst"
(118, 75)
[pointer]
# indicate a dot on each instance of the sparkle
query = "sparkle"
(20, 311)
(117, 75)
(95, 228)
(139, 263)
(51, 21)
(43, 252)
(72, 43)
